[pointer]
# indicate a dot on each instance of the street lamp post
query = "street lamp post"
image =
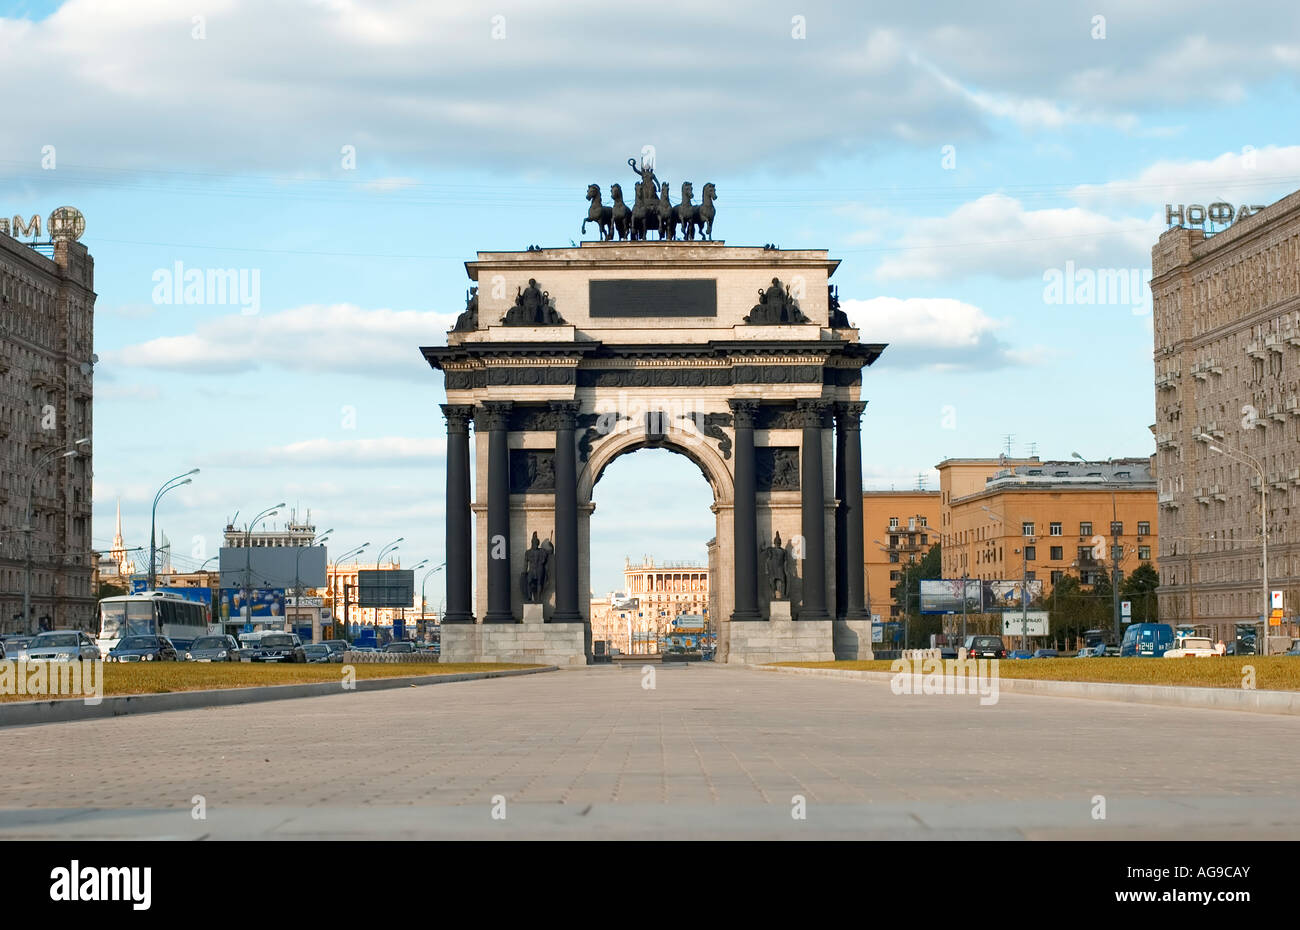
(297, 561)
(248, 556)
(341, 559)
(1245, 458)
(153, 516)
(1114, 556)
(28, 619)
(423, 582)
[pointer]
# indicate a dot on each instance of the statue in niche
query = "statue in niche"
(775, 307)
(536, 571)
(775, 561)
(533, 307)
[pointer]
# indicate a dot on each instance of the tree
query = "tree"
(1140, 588)
(109, 589)
(921, 625)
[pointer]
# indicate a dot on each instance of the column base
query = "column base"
(458, 618)
(852, 639)
(780, 641)
(742, 616)
(571, 616)
(858, 613)
(498, 617)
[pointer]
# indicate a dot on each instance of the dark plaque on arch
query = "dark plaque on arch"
(532, 471)
(640, 298)
(776, 468)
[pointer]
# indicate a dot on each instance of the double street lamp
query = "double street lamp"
(1250, 460)
(351, 553)
(248, 555)
(170, 485)
(29, 622)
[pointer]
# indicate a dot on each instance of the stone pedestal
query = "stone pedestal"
(779, 610)
(539, 643)
(780, 641)
(533, 613)
(852, 640)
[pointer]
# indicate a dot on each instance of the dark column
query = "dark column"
(459, 548)
(841, 521)
(849, 421)
(496, 415)
(813, 414)
(566, 514)
(745, 513)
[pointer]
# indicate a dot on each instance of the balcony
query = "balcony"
(1256, 350)
(1217, 494)
(1276, 413)
(1168, 501)
(1202, 496)
(1273, 343)
(1167, 381)
(1292, 405)
(1200, 371)
(1165, 441)
(1291, 337)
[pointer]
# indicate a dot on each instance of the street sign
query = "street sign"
(1277, 601)
(1034, 623)
(1126, 608)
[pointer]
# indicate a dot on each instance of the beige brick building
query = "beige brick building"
(899, 527)
(1227, 367)
(652, 597)
(47, 303)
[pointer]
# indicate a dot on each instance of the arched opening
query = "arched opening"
(650, 529)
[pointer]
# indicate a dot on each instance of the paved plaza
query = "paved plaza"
(708, 752)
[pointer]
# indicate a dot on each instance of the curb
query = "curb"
(1238, 699)
(29, 713)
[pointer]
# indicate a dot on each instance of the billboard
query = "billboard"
(387, 587)
(1032, 623)
(944, 596)
(688, 623)
(265, 602)
(273, 566)
(1005, 595)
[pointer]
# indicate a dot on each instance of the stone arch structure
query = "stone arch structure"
(736, 357)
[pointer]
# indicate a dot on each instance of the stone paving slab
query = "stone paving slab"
(711, 751)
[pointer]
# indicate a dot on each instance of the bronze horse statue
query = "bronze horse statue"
(701, 216)
(620, 214)
(599, 214)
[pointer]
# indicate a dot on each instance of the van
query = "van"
(1147, 639)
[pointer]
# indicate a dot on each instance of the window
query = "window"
(1117, 528)
(893, 556)
(893, 523)
(1054, 529)
(894, 576)
(923, 523)
(893, 542)
(1144, 553)
(1027, 529)
(1085, 529)
(1031, 553)
(1144, 528)
(1084, 554)
(1056, 577)
(1057, 553)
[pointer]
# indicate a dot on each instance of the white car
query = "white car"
(1193, 647)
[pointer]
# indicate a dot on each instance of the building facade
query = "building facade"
(1227, 386)
(47, 305)
(899, 528)
(1043, 520)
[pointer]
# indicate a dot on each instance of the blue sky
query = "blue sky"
(220, 143)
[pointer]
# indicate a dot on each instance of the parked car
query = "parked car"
(1046, 654)
(985, 647)
(1294, 650)
(1193, 647)
(400, 647)
(1020, 654)
(62, 646)
(1147, 640)
(278, 647)
(16, 646)
(213, 649)
(339, 646)
(143, 649)
(319, 652)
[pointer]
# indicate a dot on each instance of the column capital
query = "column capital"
(745, 412)
(849, 414)
(566, 413)
(458, 417)
(494, 414)
(812, 413)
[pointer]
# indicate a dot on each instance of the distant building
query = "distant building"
(899, 528)
(116, 566)
(1227, 374)
(294, 533)
(1003, 519)
(652, 597)
(47, 305)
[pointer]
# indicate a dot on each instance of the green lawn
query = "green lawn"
(1272, 673)
(164, 677)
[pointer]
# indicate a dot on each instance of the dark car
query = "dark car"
(143, 649)
(400, 647)
(338, 646)
(319, 652)
(278, 647)
(985, 647)
(213, 649)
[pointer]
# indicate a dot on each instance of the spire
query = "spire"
(119, 518)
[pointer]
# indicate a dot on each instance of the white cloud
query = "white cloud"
(996, 235)
(937, 333)
(1245, 176)
(339, 338)
(378, 452)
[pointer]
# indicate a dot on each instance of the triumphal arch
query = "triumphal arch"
(737, 357)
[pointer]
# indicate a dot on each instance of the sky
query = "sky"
(347, 158)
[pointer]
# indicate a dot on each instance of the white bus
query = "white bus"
(153, 613)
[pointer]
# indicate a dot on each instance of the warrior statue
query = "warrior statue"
(775, 558)
(467, 322)
(536, 569)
